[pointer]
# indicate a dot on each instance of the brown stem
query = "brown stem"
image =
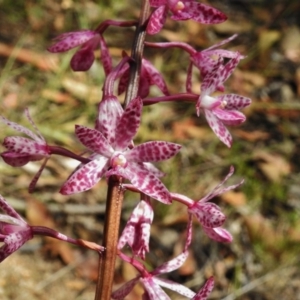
(115, 192)
(107, 258)
(137, 53)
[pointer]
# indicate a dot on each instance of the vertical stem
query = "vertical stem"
(115, 193)
(137, 53)
(107, 258)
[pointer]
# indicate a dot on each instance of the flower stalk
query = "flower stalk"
(115, 193)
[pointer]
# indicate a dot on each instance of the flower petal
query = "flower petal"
(14, 241)
(94, 140)
(189, 232)
(213, 79)
(109, 114)
(218, 190)
(174, 286)
(82, 60)
(124, 290)
(200, 13)
(154, 291)
(69, 40)
(22, 145)
(205, 290)
(128, 124)
(105, 56)
(171, 265)
(225, 72)
(146, 182)
(157, 20)
(152, 151)
(9, 210)
(124, 79)
(155, 77)
(37, 137)
(152, 169)
(208, 214)
(204, 63)
(36, 177)
(15, 159)
(218, 234)
(221, 43)
(229, 117)
(234, 101)
(137, 230)
(218, 128)
(86, 177)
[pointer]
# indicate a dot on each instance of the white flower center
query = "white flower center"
(176, 6)
(118, 160)
(179, 6)
(223, 104)
(209, 102)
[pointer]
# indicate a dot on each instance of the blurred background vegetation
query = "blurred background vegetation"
(263, 215)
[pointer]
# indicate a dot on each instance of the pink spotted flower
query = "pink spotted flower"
(21, 150)
(89, 41)
(113, 156)
(182, 10)
(14, 231)
(209, 214)
(223, 109)
(153, 284)
(207, 60)
(137, 230)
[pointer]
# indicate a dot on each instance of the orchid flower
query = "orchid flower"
(153, 284)
(21, 150)
(182, 10)
(14, 231)
(224, 108)
(89, 41)
(137, 230)
(205, 62)
(209, 214)
(115, 158)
